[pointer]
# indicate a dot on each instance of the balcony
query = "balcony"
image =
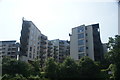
(50, 47)
(43, 42)
(49, 55)
(43, 51)
(50, 51)
(62, 48)
(50, 43)
(43, 37)
(61, 45)
(61, 42)
(43, 47)
(56, 48)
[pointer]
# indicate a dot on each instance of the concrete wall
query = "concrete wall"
(89, 43)
(74, 44)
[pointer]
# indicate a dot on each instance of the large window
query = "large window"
(81, 49)
(81, 42)
(80, 35)
(80, 55)
(80, 29)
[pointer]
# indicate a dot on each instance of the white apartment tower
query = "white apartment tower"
(85, 41)
(9, 48)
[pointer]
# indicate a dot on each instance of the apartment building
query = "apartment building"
(85, 41)
(33, 42)
(9, 48)
(61, 49)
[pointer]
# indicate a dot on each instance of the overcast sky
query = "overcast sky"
(56, 18)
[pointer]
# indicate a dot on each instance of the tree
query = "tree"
(13, 67)
(36, 67)
(68, 69)
(113, 56)
(51, 69)
(87, 68)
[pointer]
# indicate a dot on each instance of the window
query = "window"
(8, 53)
(30, 48)
(37, 57)
(38, 48)
(30, 55)
(86, 40)
(80, 55)
(34, 51)
(87, 54)
(81, 42)
(80, 29)
(81, 49)
(3, 52)
(86, 34)
(9, 49)
(81, 35)
(86, 47)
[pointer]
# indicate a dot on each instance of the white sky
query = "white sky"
(56, 18)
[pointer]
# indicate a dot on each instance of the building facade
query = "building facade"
(85, 41)
(61, 49)
(51, 49)
(9, 48)
(33, 43)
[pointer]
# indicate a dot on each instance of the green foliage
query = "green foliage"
(16, 77)
(13, 67)
(6, 77)
(87, 68)
(113, 56)
(42, 75)
(104, 74)
(19, 77)
(113, 43)
(36, 67)
(51, 69)
(33, 78)
(68, 69)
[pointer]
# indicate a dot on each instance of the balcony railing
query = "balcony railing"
(43, 37)
(43, 47)
(43, 42)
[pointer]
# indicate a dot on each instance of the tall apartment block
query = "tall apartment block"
(60, 49)
(33, 43)
(85, 41)
(9, 48)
